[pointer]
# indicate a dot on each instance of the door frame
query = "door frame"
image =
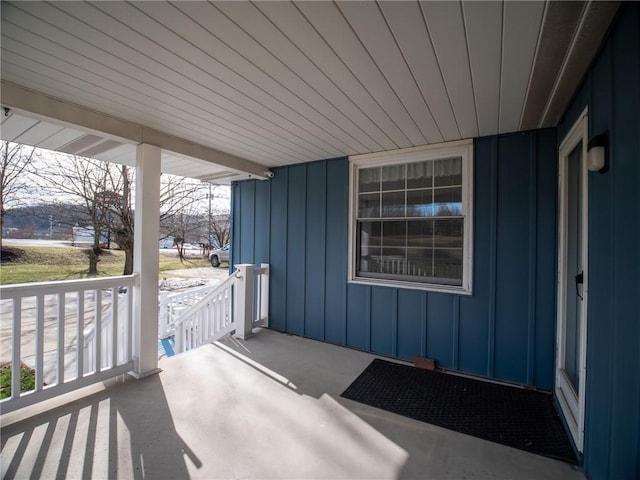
(572, 405)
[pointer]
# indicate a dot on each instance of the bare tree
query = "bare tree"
(14, 163)
(86, 180)
(183, 214)
(220, 225)
(117, 201)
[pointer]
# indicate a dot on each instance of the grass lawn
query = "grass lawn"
(27, 379)
(47, 264)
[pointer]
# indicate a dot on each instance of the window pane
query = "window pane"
(447, 172)
(370, 234)
(449, 233)
(447, 201)
(420, 203)
(369, 205)
(393, 261)
(394, 234)
(448, 264)
(393, 204)
(420, 175)
(420, 262)
(393, 177)
(420, 233)
(370, 259)
(369, 180)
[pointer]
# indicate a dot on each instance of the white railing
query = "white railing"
(238, 304)
(72, 333)
(210, 318)
(172, 305)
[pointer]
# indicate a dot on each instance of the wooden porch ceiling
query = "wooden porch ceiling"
(278, 83)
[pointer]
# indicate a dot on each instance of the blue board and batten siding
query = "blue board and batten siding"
(611, 91)
(298, 223)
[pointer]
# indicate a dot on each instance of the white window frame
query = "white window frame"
(463, 149)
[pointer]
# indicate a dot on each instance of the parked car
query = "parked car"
(219, 255)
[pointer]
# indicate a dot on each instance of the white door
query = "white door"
(571, 334)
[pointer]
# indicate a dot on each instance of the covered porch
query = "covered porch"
(532, 279)
(268, 407)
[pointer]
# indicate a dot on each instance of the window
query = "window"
(411, 218)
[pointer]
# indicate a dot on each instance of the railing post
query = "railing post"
(163, 318)
(244, 299)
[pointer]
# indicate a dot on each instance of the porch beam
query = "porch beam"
(44, 107)
(145, 260)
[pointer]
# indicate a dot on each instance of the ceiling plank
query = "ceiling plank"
(329, 22)
(166, 77)
(407, 25)
(201, 49)
(258, 26)
(323, 115)
(57, 140)
(370, 26)
(14, 126)
(446, 27)
(38, 133)
(483, 22)
(522, 24)
(295, 26)
(124, 154)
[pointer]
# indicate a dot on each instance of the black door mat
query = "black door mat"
(519, 418)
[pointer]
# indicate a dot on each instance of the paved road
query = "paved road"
(28, 242)
(18, 242)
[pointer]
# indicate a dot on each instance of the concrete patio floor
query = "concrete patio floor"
(268, 407)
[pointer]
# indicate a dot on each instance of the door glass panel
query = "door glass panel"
(574, 288)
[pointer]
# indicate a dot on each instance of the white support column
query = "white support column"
(244, 300)
(145, 260)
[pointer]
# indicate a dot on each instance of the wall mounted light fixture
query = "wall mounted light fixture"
(598, 153)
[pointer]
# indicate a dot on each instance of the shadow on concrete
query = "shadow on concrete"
(121, 432)
(323, 371)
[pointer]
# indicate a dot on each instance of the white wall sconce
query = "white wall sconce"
(598, 153)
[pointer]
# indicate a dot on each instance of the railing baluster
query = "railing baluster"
(163, 318)
(264, 299)
(98, 330)
(60, 348)
(179, 339)
(80, 335)
(129, 326)
(114, 326)
(219, 314)
(256, 300)
(39, 342)
(16, 360)
(209, 329)
(188, 334)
